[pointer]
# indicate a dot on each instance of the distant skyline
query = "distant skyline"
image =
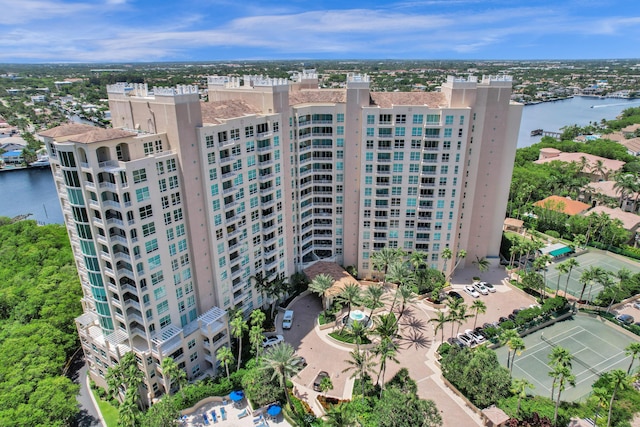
(213, 30)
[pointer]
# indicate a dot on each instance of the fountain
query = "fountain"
(357, 315)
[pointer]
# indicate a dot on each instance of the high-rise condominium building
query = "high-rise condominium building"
(175, 211)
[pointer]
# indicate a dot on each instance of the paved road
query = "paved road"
(88, 415)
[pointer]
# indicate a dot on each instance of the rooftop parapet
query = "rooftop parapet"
(131, 89)
(358, 78)
(310, 74)
(502, 80)
(218, 80)
(178, 90)
(469, 79)
(261, 80)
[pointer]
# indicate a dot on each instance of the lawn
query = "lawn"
(109, 412)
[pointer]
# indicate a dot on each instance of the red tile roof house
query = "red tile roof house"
(630, 221)
(562, 204)
(609, 166)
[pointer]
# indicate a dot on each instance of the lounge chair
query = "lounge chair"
(214, 416)
(243, 413)
(223, 414)
(257, 420)
(206, 419)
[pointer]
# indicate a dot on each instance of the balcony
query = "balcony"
(111, 204)
(120, 239)
(115, 221)
(108, 185)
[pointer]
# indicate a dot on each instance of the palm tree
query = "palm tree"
(418, 260)
(381, 260)
(515, 248)
(505, 338)
(361, 364)
(325, 385)
(601, 397)
(373, 297)
(461, 315)
(519, 387)
(359, 332)
(127, 413)
(479, 307)
(257, 318)
(321, 284)
(386, 327)
(171, 372)
(559, 357)
(385, 350)
(399, 274)
(618, 381)
(571, 263)
(462, 254)
(446, 255)
(406, 297)
(482, 264)
(238, 328)
(540, 263)
(281, 358)
(440, 321)
(350, 294)
(632, 350)
(256, 338)
(125, 374)
(341, 415)
(225, 356)
(563, 375)
(516, 345)
(586, 277)
(562, 268)
(454, 305)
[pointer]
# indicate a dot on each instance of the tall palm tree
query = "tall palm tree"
(517, 346)
(359, 332)
(505, 338)
(418, 260)
(562, 268)
(482, 264)
(281, 358)
(618, 381)
(171, 372)
(563, 376)
(361, 363)
(341, 415)
(407, 297)
(321, 284)
(462, 254)
(454, 305)
(559, 357)
(446, 255)
(440, 320)
(385, 350)
(571, 263)
(350, 294)
(519, 388)
(462, 315)
(381, 260)
(400, 274)
(256, 338)
(540, 263)
(127, 413)
(516, 248)
(601, 397)
(586, 277)
(257, 318)
(238, 328)
(478, 307)
(632, 350)
(386, 327)
(225, 356)
(373, 297)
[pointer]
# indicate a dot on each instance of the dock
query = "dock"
(542, 132)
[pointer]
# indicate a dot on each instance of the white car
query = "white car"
(272, 340)
(471, 291)
(479, 339)
(466, 340)
(481, 288)
(489, 286)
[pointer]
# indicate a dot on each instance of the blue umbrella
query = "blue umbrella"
(274, 410)
(236, 396)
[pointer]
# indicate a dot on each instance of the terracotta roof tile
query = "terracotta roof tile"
(217, 111)
(629, 220)
(67, 130)
(389, 99)
(305, 96)
(101, 135)
(341, 277)
(562, 204)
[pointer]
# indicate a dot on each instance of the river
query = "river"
(33, 190)
(551, 116)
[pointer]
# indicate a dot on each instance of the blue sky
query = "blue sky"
(213, 30)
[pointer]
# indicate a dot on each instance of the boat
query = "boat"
(40, 163)
(536, 132)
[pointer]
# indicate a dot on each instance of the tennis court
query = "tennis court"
(595, 345)
(593, 258)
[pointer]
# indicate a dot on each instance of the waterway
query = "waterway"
(33, 190)
(579, 110)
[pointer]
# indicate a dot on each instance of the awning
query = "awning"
(561, 251)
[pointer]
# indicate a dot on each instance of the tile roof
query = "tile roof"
(389, 99)
(562, 204)
(629, 220)
(216, 112)
(632, 144)
(341, 277)
(305, 96)
(609, 164)
(68, 129)
(101, 135)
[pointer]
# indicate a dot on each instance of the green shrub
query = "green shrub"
(552, 233)
(444, 348)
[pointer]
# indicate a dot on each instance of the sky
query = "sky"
(36, 31)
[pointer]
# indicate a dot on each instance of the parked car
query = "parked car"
(636, 305)
(455, 342)
(478, 338)
(481, 288)
(321, 375)
(466, 339)
(287, 319)
(454, 295)
(625, 319)
(299, 360)
(489, 286)
(272, 340)
(471, 291)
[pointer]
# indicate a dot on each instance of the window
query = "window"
(340, 118)
(146, 212)
(162, 307)
(142, 194)
(159, 293)
(211, 158)
(248, 131)
(208, 139)
(139, 175)
(148, 229)
(371, 119)
(177, 215)
(448, 120)
(154, 262)
(180, 230)
(400, 131)
(417, 119)
(160, 168)
(171, 165)
(416, 131)
(173, 182)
